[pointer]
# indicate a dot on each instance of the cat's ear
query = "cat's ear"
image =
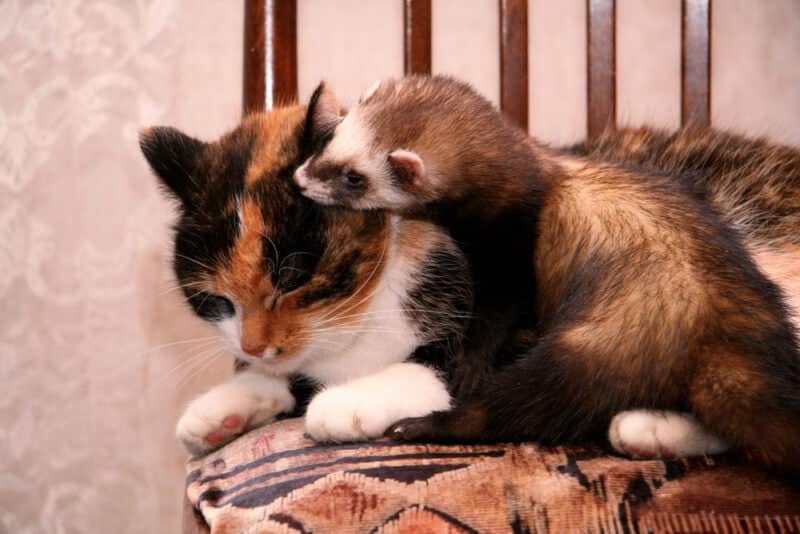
(173, 156)
(323, 113)
(409, 169)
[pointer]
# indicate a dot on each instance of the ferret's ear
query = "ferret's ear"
(408, 168)
(173, 157)
(323, 113)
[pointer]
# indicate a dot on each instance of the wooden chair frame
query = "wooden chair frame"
(270, 57)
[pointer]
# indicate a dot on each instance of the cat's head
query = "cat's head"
(274, 272)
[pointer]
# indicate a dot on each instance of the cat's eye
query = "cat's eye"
(354, 179)
(211, 307)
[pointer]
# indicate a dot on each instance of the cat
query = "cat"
(642, 295)
(366, 306)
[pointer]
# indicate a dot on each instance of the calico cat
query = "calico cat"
(365, 305)
(642, 296)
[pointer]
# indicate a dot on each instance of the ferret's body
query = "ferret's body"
(641, 295)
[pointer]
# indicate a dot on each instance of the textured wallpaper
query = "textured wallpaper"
(94, 357)
(97, 351)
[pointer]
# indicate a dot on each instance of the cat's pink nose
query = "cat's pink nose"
(253, 348)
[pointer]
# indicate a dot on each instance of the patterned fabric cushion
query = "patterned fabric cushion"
(276, 480)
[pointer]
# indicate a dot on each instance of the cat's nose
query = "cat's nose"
(253, 348)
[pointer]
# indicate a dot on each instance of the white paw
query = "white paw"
(230, 409)
(342, 414)
(364, 408)
(659, 434)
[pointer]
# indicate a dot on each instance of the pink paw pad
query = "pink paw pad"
(230, 425)
(232, 422)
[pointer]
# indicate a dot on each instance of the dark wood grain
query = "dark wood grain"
(417, 36)
(514, 60)
(696, 62)
(602, 66)
(270, 54)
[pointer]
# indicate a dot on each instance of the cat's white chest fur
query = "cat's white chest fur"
(381, 335)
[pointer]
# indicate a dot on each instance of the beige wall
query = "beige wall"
(756, 74)
(93, 363)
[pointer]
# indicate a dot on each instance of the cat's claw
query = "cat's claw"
(411, 429)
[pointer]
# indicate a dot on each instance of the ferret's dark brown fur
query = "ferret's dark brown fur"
(642, 294)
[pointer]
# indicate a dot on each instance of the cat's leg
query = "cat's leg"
(248, 400)
(661, 434)
(364, 408)
(545, 395)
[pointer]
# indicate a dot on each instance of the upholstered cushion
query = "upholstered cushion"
(276, 480)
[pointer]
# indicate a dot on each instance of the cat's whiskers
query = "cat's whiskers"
(296, 253)
(191, 360)
(206, 363)
(368, 314)
(187, 285)
(359, 330)
(195, 261)
(378, 263)
(274, 248)
(173, 343)
(328, 342)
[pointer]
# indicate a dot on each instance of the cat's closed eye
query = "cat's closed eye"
(211, 307)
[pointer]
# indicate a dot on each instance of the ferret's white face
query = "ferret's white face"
(352, 167)
(352, 171)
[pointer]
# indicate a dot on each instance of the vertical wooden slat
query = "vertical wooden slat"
(602, 67)
(696, 62)
(270, 54)
(514, 60)
(417, 36)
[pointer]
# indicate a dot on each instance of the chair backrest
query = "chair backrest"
(270, 62)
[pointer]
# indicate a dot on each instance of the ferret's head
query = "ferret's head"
(393, 148)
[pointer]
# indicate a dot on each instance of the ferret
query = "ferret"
(641, 296)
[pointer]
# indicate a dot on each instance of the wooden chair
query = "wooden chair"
(270, 57)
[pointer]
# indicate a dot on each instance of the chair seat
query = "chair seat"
(274, 479)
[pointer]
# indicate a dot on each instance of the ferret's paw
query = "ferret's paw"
(229, 410)
(660, 434)
(342, 413)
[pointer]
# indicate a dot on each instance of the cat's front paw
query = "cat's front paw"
(660, 434)
(230, 409)
(364, 408)
(343, 414)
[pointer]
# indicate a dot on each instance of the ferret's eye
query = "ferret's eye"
(354, 179)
